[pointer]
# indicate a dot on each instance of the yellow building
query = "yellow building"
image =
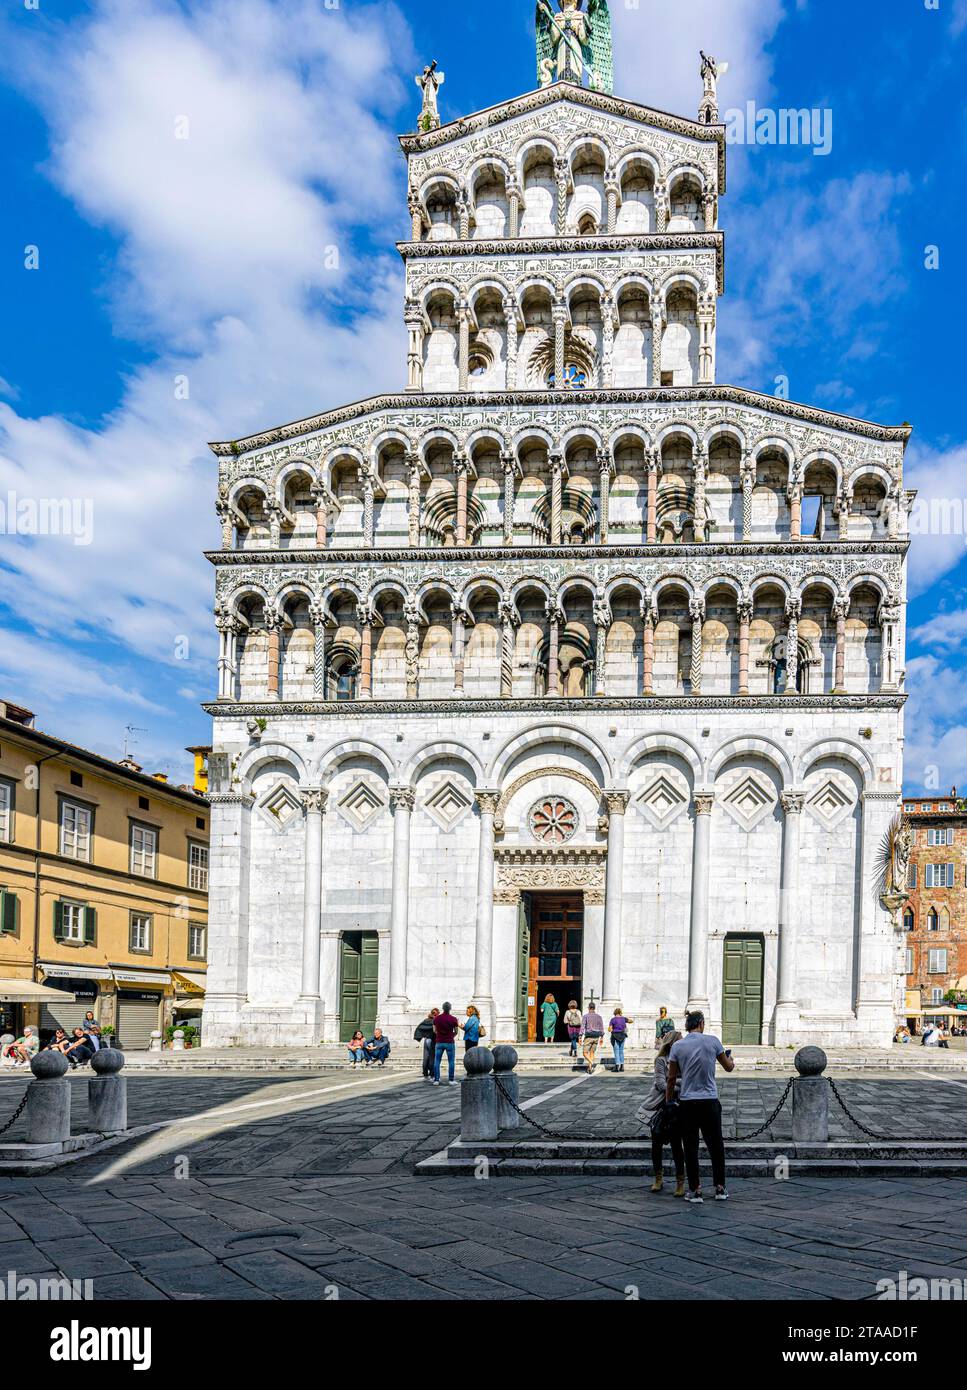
(103, 889)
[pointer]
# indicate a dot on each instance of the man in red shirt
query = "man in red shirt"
(445, 1031)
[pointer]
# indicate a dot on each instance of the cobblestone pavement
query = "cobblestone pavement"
(294, 1189)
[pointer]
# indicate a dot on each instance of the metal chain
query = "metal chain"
(743, 1138)
(555, 1134)
(17, 1113)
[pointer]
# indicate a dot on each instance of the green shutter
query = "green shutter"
(90, 926)
(58, 921)
(9, 912)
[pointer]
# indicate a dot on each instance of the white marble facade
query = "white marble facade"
(562, 564)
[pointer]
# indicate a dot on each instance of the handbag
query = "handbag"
(665, 1121)
(619, 1035)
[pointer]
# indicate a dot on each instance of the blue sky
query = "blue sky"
(182, 293)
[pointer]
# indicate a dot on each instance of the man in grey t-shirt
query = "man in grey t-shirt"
(693, 1059)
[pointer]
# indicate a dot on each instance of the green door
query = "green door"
(742, 970)
(523, 963)
(359, 982)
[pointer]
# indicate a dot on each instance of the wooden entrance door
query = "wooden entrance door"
(556, 950)
(742, 972)
(358, 983)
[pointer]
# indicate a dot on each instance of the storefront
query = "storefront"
(141, 996)
(79, 990)
(22, 1001)
(189, 999)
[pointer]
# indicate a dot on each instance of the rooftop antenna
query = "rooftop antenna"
(130, 729)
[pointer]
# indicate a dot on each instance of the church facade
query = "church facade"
(565, 670)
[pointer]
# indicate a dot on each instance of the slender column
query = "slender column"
(225, 516)
(559, 317)
(794, 493)
(607, 342)
(840, 612)
(649, 617)
(513, 199)
(612, 191)
(513, 341)
(613, 901)
(706, 340)
(317, 615)
(748, 483)
(787, 1001)
(555, 618)
(461, 467)
(416, 216)
(364, 614)
(413, 499)
(696, 608)
(402, 800)
(698, 937)
(228, 628)
(894, 511)
(653, 465)
(700, 468)
(414, 357)
(463, 207)
(602, 623)
(321, 499)
(509, 623)
(745, 620)
(483, 947)
(314, 804)
(369, 511)
(604, 494)
(793, 614)
(562, 175)
(274, 512)
(463, 321)
(845, 503)
(273, 626)
(460, 617)
(888, 618)
(661, 206)
(510, 479)
(710, 211)
(657, 341)
(411, 651)
(557, 497)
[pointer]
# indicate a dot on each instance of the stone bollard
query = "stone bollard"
(505, 1060)
(810, 1098)
(48, 1112)
(155, 1044)
(178, 1041)
(107, 1093)
(478, 1096)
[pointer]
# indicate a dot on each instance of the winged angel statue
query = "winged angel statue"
(575, 41)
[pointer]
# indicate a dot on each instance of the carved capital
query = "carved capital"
(402, 798)
(488, 801)
(792, 802)
(314, 800)
(704, 804)
(617, 802)
(696, 608)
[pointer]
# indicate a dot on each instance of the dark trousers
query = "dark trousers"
(427, 1056)
(678, 1155)
(702, 1117)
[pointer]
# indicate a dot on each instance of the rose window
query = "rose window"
(553, 820)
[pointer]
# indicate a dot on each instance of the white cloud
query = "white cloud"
(939, 519)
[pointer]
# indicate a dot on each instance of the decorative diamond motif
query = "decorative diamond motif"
(830, 803)
(447, 805)
(361, 805)
(280, 807)
(662, 802)
(553, 820)
(750, 800)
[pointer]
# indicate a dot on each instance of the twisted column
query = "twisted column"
(413, 499)
(748, 483)
(840, 613)
(513, 341)
(562, 176)
(700, 469)
(696, 608)
(411, 649)
(369, 510)
(463, 322)
(314, 801)
(602, 623)
(510, 478)
(612, 190)
(559, 317)
(793, 614)
(661, 206)
(402, 801)
(649, 617)
(604, 494)
(555, 618)
(607, 342)
(317, 615)
(463, 208)
(657, 341)
(513, 199)
(557, 497)
(509, 622)
(745, 619)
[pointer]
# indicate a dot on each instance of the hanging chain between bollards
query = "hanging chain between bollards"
(17, 1113)
(893, 1138)
(554, 1134)
(744, 1138)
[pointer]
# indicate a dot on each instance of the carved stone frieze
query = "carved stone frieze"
(528, 868)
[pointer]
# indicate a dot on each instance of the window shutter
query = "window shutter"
(9, 906)
(58, 921)
(90, 926)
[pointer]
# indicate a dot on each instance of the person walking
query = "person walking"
(592, 1031)
(445, 1028)
(649, 1108)
(618, 1030)
(663, 1026)
(572, 1022)
(472, 1030)
(550, 1009)
(423, 1033)
(692, 1061)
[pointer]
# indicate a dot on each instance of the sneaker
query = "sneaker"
(436, 1083)
(721, 1195)
(454, 1083)
(695, 1197)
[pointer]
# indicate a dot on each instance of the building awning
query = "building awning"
(29, 992)
(195, 983)
(142, 977)
(77, 972)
